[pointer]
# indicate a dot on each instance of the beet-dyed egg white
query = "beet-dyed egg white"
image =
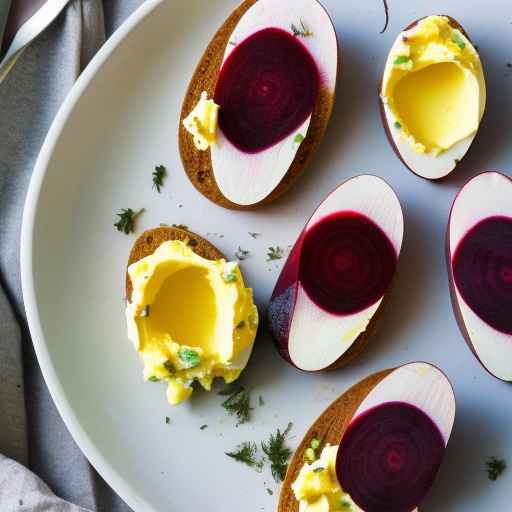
(479, 258)
(377, 448)
(337, 274)
(432, 95)
(274, 86)
(393, 447)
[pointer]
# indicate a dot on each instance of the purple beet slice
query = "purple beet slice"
(337, 274)
(347, 262)
(479, 260)
(389, 458)
(267, 87)
(482, 270)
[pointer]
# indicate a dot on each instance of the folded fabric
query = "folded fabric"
(22, 491)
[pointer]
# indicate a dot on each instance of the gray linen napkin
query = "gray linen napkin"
(31, 431)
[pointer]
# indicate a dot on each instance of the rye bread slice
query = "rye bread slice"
(151, 239)
(198, 164)
(328, 428)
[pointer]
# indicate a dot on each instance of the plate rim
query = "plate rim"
(55, 387)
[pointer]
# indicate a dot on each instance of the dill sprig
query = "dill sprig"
(495, 467)
(159, 174)
(301, 30)
(126, 222)
(275, 253)
(238, 402)
(246, 453)
(241, 254)
(278, 454)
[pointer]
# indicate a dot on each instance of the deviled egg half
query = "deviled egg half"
(189, 318)
(432, 95)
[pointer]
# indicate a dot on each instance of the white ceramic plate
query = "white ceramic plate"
(120, 121)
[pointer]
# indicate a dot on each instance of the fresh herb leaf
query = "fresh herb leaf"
(238, 403)
(241, 324)
(229, 274)
(126, 222)
(401, 59)
(167, 420)
(202, 427)
(278, 454)
(153, 378)
(270, 491)
(298, 138)
(169, 366)
(159, 174)
(254, 234)
(260, 401)
(386, 13)
(318, 470)
(345, 503)
(301, 30)
(241, 254)
(495, 467)
(180, 226)
(275, 253)
(458, 40)
(315, 443)
(397, 125)
(246, 453)
(309, 455)
(190, 358)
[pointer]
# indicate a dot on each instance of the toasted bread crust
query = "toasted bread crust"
(328, 428)
(198, 164)
(151, 239)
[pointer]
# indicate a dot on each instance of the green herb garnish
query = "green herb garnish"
(158, 177)
(301, 31)
(278, 454)
(309, 454)
(401, 59)
(229, 275)
(241, 254)
(241, 324)
(238, 402)
(298, 138)
(315, 443)
(270, 491)
(246, 453)
(169, 367)
(180, 226)
(167, 420)
(458, 40)
(397, 125)
(495, 467)
(274, 253)
(345, 503)
(254, 234)
(190, 358)
(202, 427)
(153, 378)
(318, 470)
(126, 222)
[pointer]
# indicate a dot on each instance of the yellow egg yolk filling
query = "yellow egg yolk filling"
(317, 488)
(189, 318)
(433, 86)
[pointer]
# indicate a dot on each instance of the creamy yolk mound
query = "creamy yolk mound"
(317, 488)
(433, 85)
(190, 318)
(201, 123)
